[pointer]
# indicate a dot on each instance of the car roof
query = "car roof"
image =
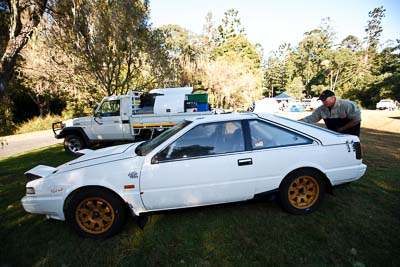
(224, 117)
(324, 135)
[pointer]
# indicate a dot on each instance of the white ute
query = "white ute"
(130, 117)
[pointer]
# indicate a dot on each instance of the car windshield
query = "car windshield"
(144, 148)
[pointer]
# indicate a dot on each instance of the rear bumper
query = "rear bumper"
(50, 206)
(345, 175)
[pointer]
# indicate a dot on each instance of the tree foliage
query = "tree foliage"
(22, 17)
(112, 41)
(81, 51)
(221, 62)
(363, 74)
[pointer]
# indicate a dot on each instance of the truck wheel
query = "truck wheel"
(95, 213)
(73, 143)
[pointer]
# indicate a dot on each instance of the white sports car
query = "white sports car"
(204, 161)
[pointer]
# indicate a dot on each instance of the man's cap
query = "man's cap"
(325, 94)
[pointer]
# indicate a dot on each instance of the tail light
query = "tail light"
(357, 149)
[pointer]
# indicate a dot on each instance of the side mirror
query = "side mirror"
(154, 159)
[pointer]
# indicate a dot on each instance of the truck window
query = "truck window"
(109, 108)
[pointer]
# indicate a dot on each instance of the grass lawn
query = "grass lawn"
(357, 226)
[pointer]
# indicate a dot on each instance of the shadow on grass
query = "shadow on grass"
(350, 228)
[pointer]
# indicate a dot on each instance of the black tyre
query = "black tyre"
(302, 191)
(73, 143)
(95, 213)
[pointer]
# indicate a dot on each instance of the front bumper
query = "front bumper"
(52, 207)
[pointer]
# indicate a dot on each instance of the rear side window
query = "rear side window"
(266, 135)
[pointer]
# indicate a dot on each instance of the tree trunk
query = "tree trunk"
(40, 103)
(19, 36)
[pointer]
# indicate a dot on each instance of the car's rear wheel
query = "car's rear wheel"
(73, 143)
(95, 213)
(302, 191)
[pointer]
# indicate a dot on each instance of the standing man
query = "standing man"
(339, 115)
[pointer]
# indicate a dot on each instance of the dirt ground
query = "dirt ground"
(382, 120)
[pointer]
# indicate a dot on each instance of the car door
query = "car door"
(276, 151)
(107, 124)
(206, 165)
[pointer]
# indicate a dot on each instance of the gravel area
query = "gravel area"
(15, 144)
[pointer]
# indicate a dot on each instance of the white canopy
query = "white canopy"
(173, 91)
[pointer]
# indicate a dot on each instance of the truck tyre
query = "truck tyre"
(95, 213)
(73, 143)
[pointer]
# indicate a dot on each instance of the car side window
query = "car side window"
(266, 135)
(204, 140)
(110, 108)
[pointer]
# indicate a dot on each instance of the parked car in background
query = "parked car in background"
(386, 104)
(201, 161)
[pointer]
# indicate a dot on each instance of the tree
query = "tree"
(23, 18)
(230, 84)
(351, 42)
(374, 30)
(232, 74)
(113, 41)
(273, 76)
(295, 88)
(238, 48)
(340, 67)
(184, 50)
(280, 69)
(209, 38)
(312, 50)
(230, 27)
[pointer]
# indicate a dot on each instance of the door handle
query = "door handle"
(116, 121)
(98, 122)
(243, 162)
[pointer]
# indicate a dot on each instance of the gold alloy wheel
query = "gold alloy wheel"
(95, 215)
(303, 192)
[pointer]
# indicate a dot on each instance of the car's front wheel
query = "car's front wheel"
(96, 213)
(302, 191)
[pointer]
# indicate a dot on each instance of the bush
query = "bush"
(7, 125)
(38, 124)
(72, 110)
(76, 109)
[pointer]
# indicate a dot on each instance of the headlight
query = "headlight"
(30, 191)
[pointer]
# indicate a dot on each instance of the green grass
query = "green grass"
(358, 226)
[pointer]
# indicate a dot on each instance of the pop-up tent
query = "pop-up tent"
(283, 96)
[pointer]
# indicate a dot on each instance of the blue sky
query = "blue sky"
(273, 22)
